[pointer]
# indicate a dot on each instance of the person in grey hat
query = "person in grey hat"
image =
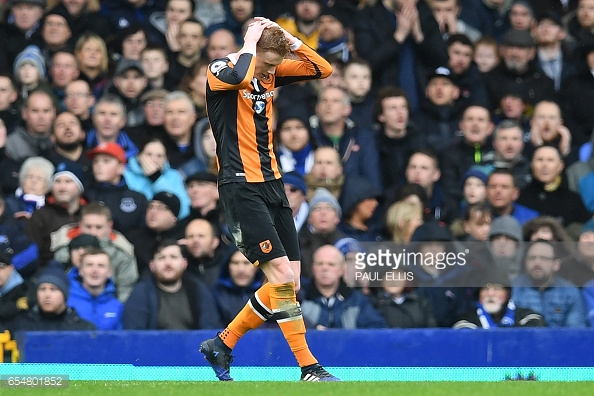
(321, 227)
(129, 83)
(506, 245)
(518, 50)
(51, 313)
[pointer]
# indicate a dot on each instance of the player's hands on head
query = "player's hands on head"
(255, 29)
(290, 38)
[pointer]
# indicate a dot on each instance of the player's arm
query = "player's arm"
(310, 65)
(223, 75)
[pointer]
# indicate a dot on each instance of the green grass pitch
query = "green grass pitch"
(174, 388)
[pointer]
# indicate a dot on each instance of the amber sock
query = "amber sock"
(287, 313)
(254, 313)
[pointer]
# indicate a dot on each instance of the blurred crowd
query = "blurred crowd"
(447, 126)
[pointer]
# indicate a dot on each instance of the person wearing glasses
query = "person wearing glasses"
(542, 290)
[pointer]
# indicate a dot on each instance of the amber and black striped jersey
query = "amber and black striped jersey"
(239, 109)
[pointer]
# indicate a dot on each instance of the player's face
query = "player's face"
(95, 270)
(266, 63)
(168, 265)
(50, 298)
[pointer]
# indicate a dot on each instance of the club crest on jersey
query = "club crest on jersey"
(217, 66)
(266, 246)
(259, 106)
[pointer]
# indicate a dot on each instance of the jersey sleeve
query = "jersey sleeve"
(310, 66)
(223, 75)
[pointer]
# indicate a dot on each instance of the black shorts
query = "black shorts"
(260, 220)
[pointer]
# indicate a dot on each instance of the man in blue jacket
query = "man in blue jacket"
(330, 303)
(168, 298)
(93, 293)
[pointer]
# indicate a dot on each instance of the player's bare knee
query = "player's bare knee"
(279, 270)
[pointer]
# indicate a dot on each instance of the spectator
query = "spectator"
(170, 298)
(442, 286)
(513, 107)
(191, 43)
(165, 25)
(51, 312)
(153, 108)
(83, 16)
(122, 14)
(194, 84)
(474, 186)
(402, 220)
(77, 247)
(156, 67)
(517, 71)
(20, 30)
(357, 81)
(332, 127)
(14, 290)
(495, 308)
(350, 247)
(129, 43)
(22, 251)
(238, 13)
(93, 293)
(581, 23)
(399, 303)
(127, 206)
(521, 15)
(204, 200)
(547, 129)
(548, 193)
(577, 91)
(423, 169)
(334, 26)
(295, 144)
(68, 137)
(502, 194)
(96, 220)
(303, 21)
(476, 128)
(397, 138)
(551, 55)
(161, 223)
(505, 248)
(55, 32)
(446, 14)
(326, 172)
(62, 71)
(79, 100)
(579, 269)
(359, 200)
(62, 207)
(542, 290)
(91, 56)
(508, 146)
(440, 113)
(129, 83)
(403, 34)
(296, 191)
(149, 172)
(321, 228)
(221, 42)
(477, 222)
(204, 251)
(9, 113)
(486, 54)
(467, 76)
(329, 303)
(34, 137)
(238, 281)
(35, 178)
(180, 116)
(29, 71)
